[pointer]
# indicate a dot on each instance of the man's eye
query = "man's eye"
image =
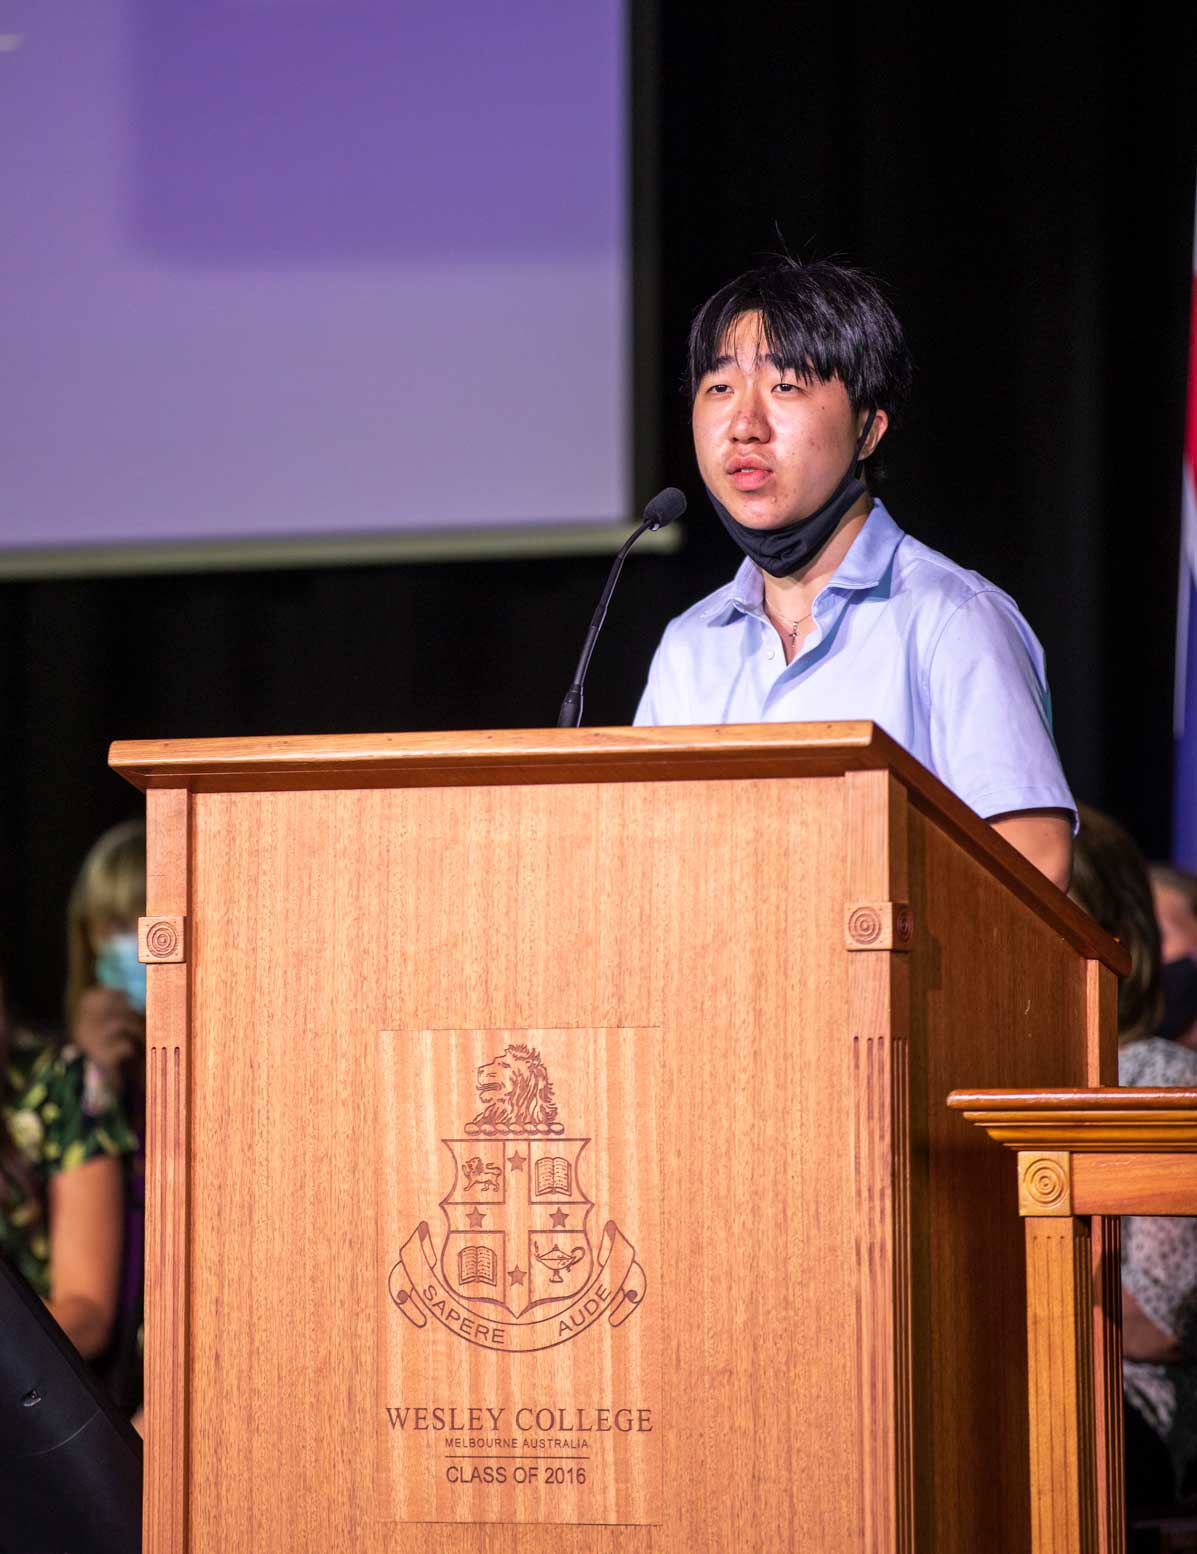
(719, 388)
(786, 388)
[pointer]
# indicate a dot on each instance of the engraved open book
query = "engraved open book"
(553, 1174)
(477, 1265)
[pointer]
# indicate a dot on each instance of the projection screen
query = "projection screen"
(311, 279)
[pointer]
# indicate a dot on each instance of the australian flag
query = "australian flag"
(1184, 811)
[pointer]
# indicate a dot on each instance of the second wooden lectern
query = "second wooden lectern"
(547, 1148)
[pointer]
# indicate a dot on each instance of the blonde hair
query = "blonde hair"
(110, 887)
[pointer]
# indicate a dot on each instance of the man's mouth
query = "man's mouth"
(749, 477)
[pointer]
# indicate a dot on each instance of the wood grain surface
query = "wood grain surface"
(1062, 1410)
(1085, 1121)
(878, 1014)
(1135, 1182)
(1085, 1157)
(733, 751)
(1045, 1182)
(168, 1187)
(324, 919)
(524, 1414)
(1106, 1240)
(830, 1342)
(995, 991)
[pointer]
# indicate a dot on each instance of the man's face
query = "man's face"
(771, 447)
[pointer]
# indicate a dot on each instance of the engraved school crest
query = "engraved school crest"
(514, 1266)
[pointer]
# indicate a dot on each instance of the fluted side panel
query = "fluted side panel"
(902, 1285)
(165, 1514)
(165, 1305)
(1060, 1357)
(883, 1317)
(1107, 1352)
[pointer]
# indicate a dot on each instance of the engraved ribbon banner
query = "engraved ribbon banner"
(615, 1290)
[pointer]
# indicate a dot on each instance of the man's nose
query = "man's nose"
(750, 422)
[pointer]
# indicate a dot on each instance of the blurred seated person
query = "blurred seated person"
(105, 993)
(1159, 1255)
(1175, 894)
(105, 1011)
(60, 1183)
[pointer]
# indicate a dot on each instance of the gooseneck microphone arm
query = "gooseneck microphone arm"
(571, 708)
(663, 509)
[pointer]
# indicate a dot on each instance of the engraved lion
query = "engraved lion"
(515, 1092)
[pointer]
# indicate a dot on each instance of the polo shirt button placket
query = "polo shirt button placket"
(768, 637)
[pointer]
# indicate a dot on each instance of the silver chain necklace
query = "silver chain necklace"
(785, 619)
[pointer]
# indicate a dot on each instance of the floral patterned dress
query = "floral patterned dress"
(44, 1116)
(1159, 1267)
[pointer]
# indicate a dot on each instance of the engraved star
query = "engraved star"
(475, 1217)
(517, 1162)
(516, 1274)
(558, 1217)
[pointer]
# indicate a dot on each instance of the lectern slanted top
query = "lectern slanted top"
(547, 1149)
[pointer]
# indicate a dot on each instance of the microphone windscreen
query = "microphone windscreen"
(665, 507)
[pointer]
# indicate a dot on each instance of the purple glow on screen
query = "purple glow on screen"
(299, 267)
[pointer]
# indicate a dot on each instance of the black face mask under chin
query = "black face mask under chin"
(783, 551)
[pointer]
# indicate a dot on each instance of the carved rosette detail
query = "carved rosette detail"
(1045, 1185)
(879, 925)
(161, 939)
(864, 925)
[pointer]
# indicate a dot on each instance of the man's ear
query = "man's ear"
(876, 432)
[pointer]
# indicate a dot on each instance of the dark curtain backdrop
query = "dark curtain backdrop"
(1027, 192)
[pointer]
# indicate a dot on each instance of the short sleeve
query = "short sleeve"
(990, 711)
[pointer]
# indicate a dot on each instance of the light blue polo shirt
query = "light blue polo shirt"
(902, 637)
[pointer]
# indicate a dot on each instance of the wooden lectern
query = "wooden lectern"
(1081, 1153)
(547, 1149)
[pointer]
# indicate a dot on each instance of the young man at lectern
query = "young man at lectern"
(796, 372)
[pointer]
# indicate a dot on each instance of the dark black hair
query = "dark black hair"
(820, 320)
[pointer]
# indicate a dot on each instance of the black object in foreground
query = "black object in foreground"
(663, 509)
(70, 1464)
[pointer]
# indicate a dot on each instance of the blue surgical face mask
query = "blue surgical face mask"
(117, 966)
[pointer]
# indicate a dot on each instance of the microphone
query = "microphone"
(663, 509)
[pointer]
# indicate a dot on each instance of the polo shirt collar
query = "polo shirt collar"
(866, 564)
